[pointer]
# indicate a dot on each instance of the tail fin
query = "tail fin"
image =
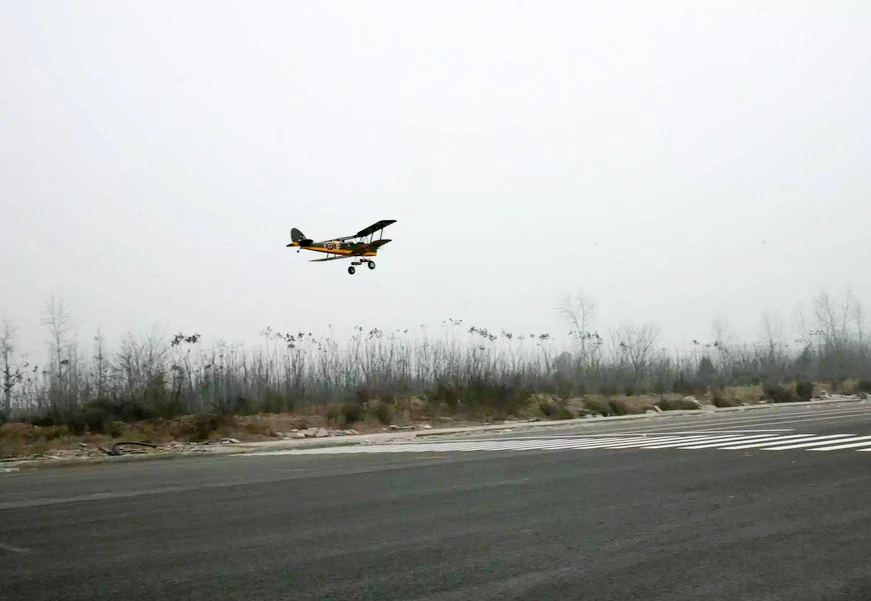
(298, 238)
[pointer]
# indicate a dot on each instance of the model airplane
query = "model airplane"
(346, 247)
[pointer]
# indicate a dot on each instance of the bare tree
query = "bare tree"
(59, 322)
(636, 343)
(578, 311)
(722, 331)
(772, 332)
(12, 374)
(859, 319)
(832, 318)
(101, 366)
(804, 336)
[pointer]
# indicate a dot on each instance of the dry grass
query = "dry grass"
(738, 395)
(19, 439)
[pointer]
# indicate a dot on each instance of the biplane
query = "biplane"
(359, 246)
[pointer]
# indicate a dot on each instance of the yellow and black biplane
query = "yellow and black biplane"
(358, 246)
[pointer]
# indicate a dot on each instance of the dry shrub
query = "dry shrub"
(615, 406)
(555, 410)
(744, 394)
(779, 393)
(676, 405)
(720, 398)
(413, 409)
(197, 428)
(18, 431)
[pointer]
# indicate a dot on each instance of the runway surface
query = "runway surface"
(769, 504)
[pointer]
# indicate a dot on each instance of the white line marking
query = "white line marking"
(694, 440)
(14, 549)
(688, 432)
(625, 444)
(775, 439)
(711, 441)
(818, 441)
(687, 440)
(706, 445)
(849, 445)
(770, 440)
(592, 444)
(757, 420)
(773, 442)
(820, 419)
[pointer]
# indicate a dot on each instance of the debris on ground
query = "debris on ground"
(315, 433)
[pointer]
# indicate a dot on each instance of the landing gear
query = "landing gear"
(369, 262)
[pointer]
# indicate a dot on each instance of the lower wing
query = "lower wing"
(331, 258)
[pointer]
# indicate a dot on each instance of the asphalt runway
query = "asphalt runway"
(589, 521)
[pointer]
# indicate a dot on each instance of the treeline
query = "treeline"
(457, 365)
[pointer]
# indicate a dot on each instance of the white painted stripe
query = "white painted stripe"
(586, 443)
(685, 432)
(769, 440)
(572, 444)
(864, 414)
(852, 443)
(817, 441)
(687, 441)
(583, 444)
(759, 420)
(539, 445)
(775, 439)
(598, 444)
(706, 445)
(712, 441)
(641, 441)
(774, 420)
(771, 443)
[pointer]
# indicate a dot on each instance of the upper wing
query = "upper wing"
(375, 227)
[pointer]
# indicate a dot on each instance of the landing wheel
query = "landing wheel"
(371, 264)
(351, 270)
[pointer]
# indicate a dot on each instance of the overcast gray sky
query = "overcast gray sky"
(674, 160)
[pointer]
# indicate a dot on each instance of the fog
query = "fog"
(674, 161)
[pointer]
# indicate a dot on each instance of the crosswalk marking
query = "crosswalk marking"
(668, 444)
(727, 442)
(849, 445)
(816, 442)
(649, 441)
(636, 443)
(770, 440)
